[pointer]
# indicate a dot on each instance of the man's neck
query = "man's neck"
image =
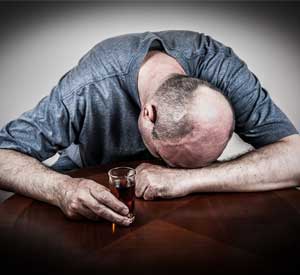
(156, 68)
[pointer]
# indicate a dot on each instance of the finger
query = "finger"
(110, 215)
(140, 167)
(149, 193)
(140, 190)
(104, 196)
(140, 187)
(102, 211)
(88, 213)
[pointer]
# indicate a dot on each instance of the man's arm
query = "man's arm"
(76, 197)
(271, 167)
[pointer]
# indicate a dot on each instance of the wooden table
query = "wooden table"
(244, 233)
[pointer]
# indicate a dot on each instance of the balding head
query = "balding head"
(193, 122)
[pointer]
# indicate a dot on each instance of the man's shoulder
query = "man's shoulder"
(107, 59)
(122, 42)
(121, 47)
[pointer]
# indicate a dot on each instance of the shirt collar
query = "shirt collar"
(137, 60)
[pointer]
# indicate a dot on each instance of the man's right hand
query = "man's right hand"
(76, 197)
(87, 198)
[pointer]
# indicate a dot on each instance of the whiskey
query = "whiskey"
(124, 191)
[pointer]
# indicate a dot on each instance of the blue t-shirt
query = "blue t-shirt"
(91, 114)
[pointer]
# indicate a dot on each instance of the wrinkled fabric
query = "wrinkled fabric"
(91, 115)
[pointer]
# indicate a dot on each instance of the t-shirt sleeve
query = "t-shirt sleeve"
(259, 121)
(49, 127)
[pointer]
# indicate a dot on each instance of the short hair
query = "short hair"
(174, 96)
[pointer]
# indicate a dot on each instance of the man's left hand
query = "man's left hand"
(154, 181)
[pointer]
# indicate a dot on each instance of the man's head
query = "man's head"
(187, 122)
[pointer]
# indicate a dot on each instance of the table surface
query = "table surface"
(253, 233)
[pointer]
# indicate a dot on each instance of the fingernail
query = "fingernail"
(129, 221)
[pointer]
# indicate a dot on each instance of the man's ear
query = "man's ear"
(149, 112)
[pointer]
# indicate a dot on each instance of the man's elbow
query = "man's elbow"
(293, 155)
(292, 144)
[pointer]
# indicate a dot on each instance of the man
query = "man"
(176, 94)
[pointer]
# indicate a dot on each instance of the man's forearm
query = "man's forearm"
(272, 167)
(27, 176)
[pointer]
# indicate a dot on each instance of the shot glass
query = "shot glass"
(122, 185)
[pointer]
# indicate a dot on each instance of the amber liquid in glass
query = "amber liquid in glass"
(124, 191)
